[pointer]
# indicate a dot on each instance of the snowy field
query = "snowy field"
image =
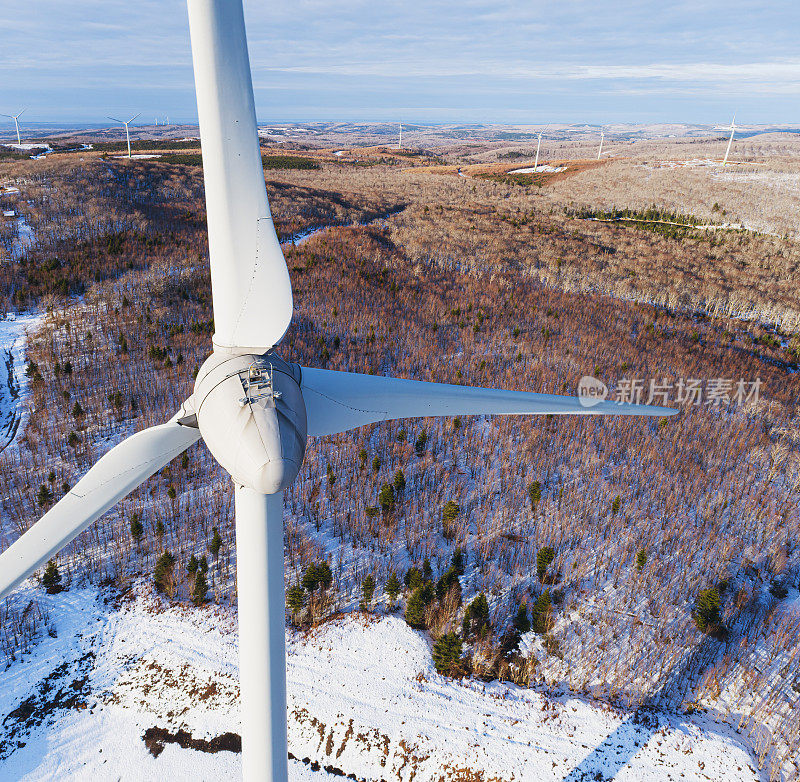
(539, 170)
(364, 699)
(13, 382)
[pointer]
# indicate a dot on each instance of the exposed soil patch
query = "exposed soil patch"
(156, 738)
(63, 689)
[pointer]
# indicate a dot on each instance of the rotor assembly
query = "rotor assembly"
(251, 415)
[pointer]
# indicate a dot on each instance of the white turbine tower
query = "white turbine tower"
(127, 131)
(252, 409)
(15, 117)
(602, 136)
(400, 139)
(538, 147)
(732, 129)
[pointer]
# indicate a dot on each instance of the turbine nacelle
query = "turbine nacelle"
(251, 415)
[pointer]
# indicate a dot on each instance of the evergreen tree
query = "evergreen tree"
(459, 561)
(331, 475)
(392, 587)
(616, 504)
(421, 442)
(706, 612)
(324, 575)
(200, 589)
(534, 494)
(51, 580)
(446, 582)
(192, 566)
(521, 622)
(386, 498)
(476, 617)
(367, 592)
(413, 578)
(162, 574)
(137, 529)
(160, 529)
(44, 496)
(541, 613)
(449, 515)
(216, 543)
(202, 564)
(376, 463)
(362, 457)
(295, 599)
(641, 560)
(427, 570)
(415, 608)
(310, 578)
(77, 410)
(399, 481)
(543, 559)
(447, 655)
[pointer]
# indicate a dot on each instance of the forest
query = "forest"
(642, 563)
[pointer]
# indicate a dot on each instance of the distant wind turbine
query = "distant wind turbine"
(600, 151)
(127, 131)
(732, 129)
(400, 140)
(538, 147)
(15, 117)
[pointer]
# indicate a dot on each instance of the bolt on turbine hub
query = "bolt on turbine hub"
(251, 414)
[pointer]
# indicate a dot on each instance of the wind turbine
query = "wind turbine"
(254, 410)
(127, 131)
(400, 140)
(538, 147)
(732, 129)
(15, 117)
(602, 136)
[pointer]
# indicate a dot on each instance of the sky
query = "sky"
(437, 61)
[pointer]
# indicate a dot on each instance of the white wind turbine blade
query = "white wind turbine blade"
(732, 129)
(338, 401)
(252, 292)
(113, 477)
(133, 118)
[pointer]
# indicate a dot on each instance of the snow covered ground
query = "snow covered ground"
(364, 699)
(543, 169)
(13, 381)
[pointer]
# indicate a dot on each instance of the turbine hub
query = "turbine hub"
(252, 417)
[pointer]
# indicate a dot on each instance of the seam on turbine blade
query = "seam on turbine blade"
(116, 475)
(252, 276)
(344, 404)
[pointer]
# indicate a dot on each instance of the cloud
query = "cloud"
(419, 51)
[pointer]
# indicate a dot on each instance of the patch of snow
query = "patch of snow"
(28, 146)
(137, 156)
(14, 384)
(539, 169)
(363, 698)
